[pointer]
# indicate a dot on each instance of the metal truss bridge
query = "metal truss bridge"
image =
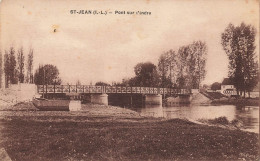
(84, 89)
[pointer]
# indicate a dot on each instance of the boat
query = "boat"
(51, 105)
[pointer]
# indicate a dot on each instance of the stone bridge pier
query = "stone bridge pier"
(101, 99)
(153, 99)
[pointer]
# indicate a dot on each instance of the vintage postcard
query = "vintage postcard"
(129, 80)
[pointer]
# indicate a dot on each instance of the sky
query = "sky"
(93, 48)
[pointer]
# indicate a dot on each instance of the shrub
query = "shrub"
(220, 120)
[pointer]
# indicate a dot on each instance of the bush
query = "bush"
(220, 120)
(237, 123)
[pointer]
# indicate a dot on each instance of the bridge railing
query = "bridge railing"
(108, 89)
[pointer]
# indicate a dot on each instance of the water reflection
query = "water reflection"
(152, 110)
(248, 115)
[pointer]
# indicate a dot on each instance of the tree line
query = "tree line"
(18, 69)
(184, 68)
(14, 66)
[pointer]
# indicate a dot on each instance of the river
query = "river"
(248, 115)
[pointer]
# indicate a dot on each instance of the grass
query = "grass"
(238, 102)
(135, 139)
(223, 122)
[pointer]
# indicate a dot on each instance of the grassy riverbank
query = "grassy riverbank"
(118, 135)
(238, 101)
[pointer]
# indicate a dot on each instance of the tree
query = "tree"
(12, 66)
(20, 61)
(239, 45)
(146, 75)
(216, 86)
(131, 82)
(191, 67)
(6, 69)
(186, 69)
(127, 82)
(47, 74)
(78, 83)
(1, 69)
(29, 77)
(166, 68)
(163, 68)
(181, 82)
(198, 55)
(182, 66)
(100, 83)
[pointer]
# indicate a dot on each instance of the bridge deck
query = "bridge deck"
(108, 89)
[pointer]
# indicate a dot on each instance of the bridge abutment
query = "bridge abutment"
(99, 99)
(181, 99)
(153, 99)
(75, 105)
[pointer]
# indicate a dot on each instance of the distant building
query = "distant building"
(228, 88)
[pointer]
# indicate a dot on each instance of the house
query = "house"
(227, 88)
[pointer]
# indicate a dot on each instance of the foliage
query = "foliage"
(47, 74)
(216, 86)
(239, 45)
(166, 82)
(20, 62)
(220, 120)
(197, 62)
(14, 69)
(146, 75)
(182, 65)
(100, 83)
(181, 81)
(166, 68)
(1, 69)
(6, 68)
(186, 68)
(127, 82)
(192, 63)
(78, 83)
(29, 77)
(10, 67)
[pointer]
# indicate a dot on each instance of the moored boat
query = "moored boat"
(51, 105)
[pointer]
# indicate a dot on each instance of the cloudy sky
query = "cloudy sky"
(106, 47)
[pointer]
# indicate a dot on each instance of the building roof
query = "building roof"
(226, 81)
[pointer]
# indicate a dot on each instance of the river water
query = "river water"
(248, 115)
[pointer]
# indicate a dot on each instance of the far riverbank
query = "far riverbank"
(236, 101)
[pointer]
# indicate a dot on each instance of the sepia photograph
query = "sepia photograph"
(95, 80)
